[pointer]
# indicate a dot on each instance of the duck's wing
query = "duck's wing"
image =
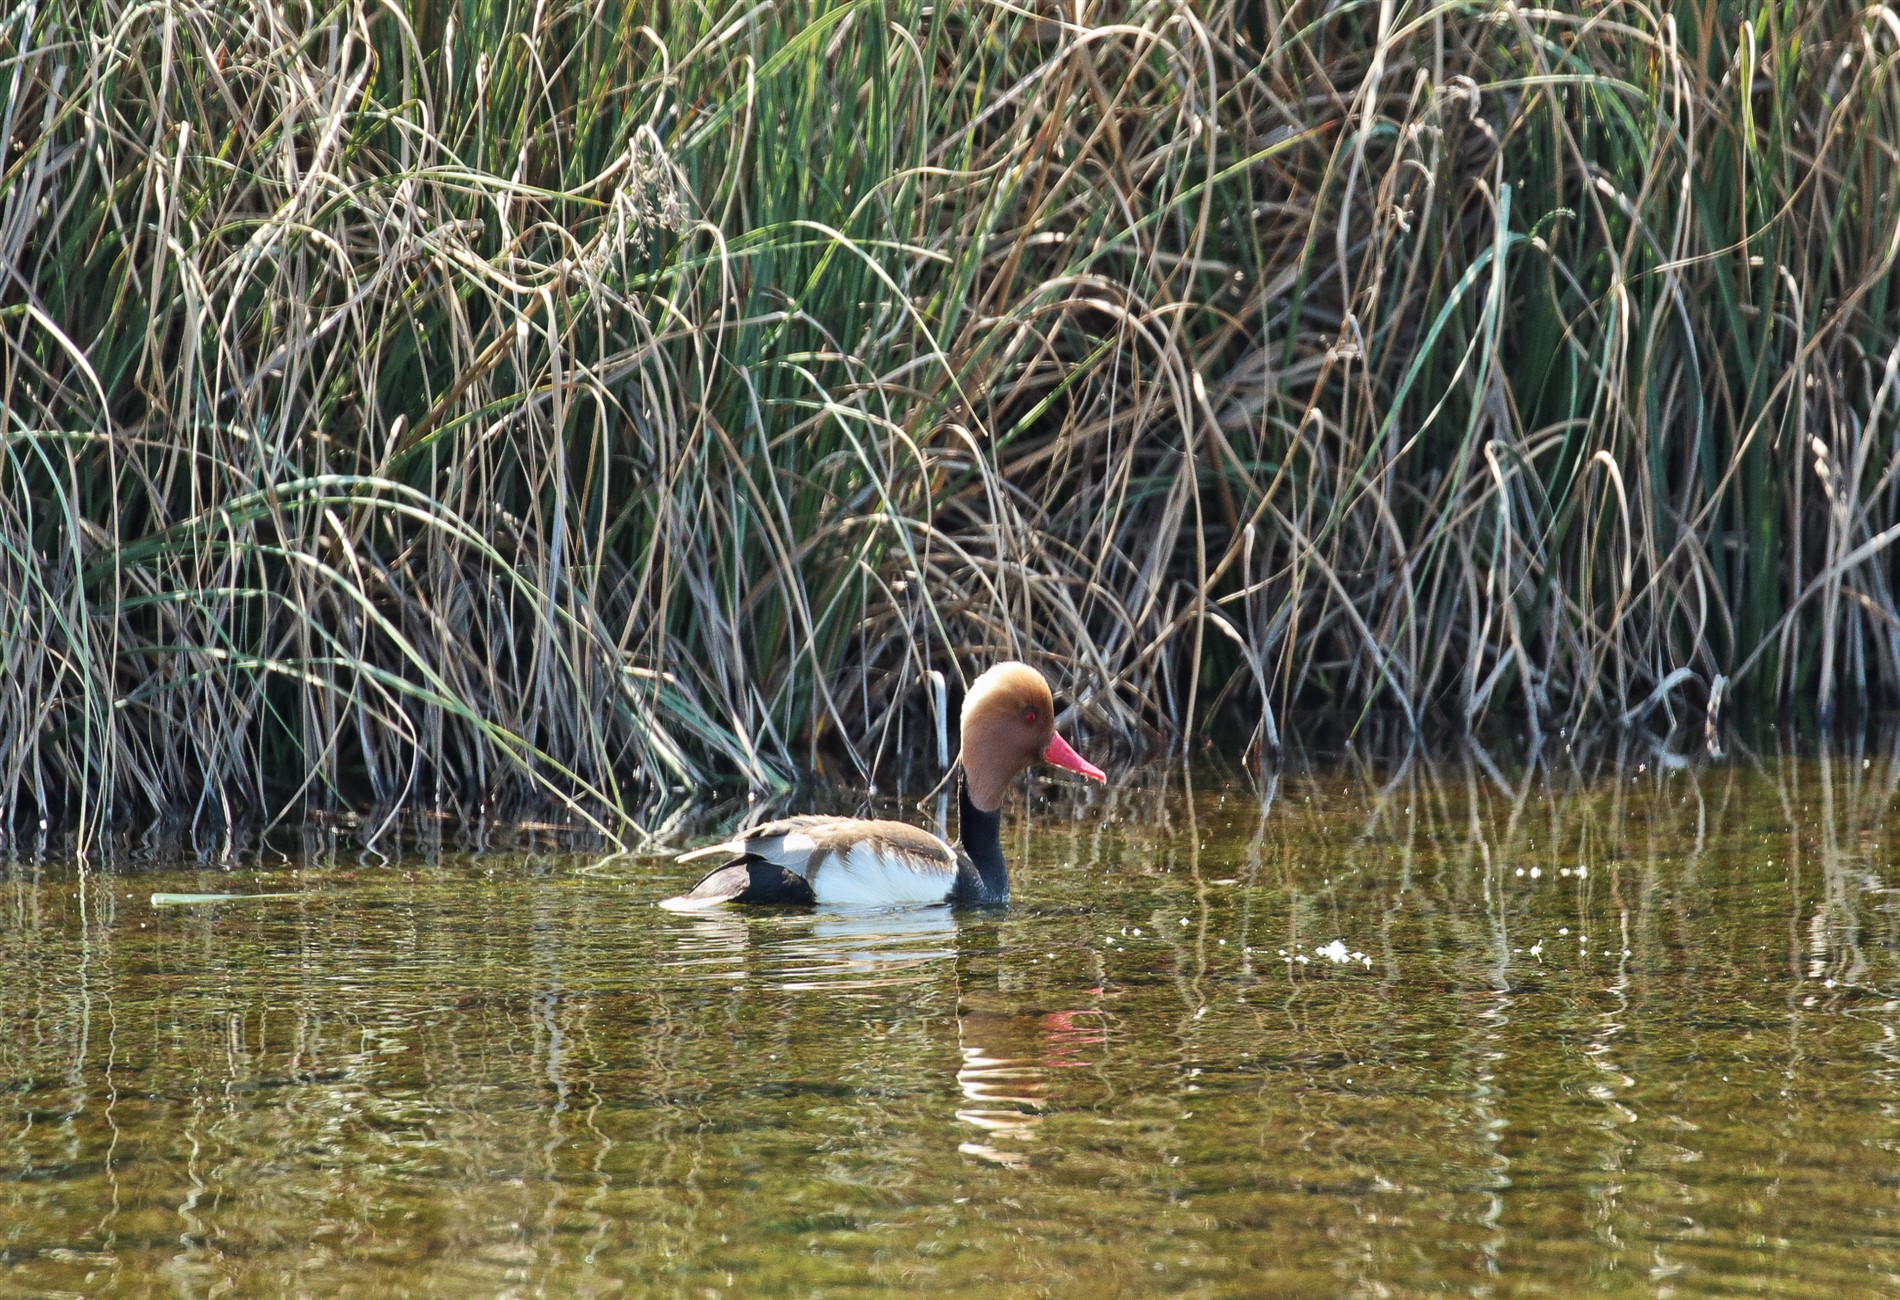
(809, 859)
(788, 841)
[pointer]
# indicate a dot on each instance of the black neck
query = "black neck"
(982, 836)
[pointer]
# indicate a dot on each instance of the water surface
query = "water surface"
(1350, 1031)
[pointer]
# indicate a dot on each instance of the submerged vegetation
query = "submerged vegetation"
(563, 402)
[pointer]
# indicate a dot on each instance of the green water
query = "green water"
(1628, 1033)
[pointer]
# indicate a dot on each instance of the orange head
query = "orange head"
(1008, 723)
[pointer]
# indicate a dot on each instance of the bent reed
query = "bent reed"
(505, 404)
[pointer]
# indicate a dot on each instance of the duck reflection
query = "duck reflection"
(709, 945)
(1007, 1052)
(897, 936)
(1004, 1094)
(1009, 1060)
(1010, 1051)
(824, 949)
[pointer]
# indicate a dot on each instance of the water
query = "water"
(1354, 1032)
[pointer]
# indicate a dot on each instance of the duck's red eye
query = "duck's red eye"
(1030, 716)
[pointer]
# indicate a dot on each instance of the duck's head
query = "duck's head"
(1009, 723)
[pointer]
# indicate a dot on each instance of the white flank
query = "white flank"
(865, 878)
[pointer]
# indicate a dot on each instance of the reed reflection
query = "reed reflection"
(1614, 1022)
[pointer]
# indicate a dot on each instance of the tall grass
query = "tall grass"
(497, 404)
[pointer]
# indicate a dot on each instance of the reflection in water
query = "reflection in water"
(1004, 1057)
(871, 948)
(824, 948)
(709, 945)
(1005, 1097)
(1005, 1073)
(1617, 1027)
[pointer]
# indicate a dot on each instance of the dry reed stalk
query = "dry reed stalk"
(616, 402)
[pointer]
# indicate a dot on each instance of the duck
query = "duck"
(1008, 725)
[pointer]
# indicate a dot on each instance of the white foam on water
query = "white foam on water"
(1337, 953)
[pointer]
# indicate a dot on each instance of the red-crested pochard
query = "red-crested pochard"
(1008, 724)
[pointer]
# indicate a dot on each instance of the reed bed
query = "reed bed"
(497, 406)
